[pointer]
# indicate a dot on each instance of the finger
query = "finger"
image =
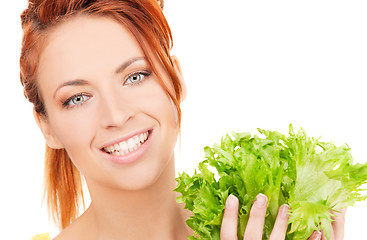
(316, 235)
(228, 229)
(332, 235)
(323, 237)
(329, 229)
(338, 224)
(281, 223)
(255, 225)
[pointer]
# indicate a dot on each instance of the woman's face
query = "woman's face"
(104, 104)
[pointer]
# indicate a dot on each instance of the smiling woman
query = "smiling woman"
(106, 94)
(105, 108)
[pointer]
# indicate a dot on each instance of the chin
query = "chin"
(145, 176)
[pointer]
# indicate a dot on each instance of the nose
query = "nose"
(115, 111)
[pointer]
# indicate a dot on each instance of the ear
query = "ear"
(51, 140)
(178, 69)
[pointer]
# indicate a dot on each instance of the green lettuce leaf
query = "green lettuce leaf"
(311, 176)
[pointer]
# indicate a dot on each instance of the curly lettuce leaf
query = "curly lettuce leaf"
(311, 176)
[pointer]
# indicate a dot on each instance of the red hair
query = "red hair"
(144, 18)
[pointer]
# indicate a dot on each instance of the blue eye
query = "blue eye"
(76, 100)
(136, 78)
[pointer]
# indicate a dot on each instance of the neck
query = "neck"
(149, 213)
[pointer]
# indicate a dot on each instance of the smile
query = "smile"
(127, 146)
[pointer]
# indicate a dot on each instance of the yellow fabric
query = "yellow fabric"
(44, 236)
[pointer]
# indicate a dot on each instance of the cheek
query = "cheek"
(75, 131)
(165, 113)
(157, 104)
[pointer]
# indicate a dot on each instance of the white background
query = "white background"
(247, 64)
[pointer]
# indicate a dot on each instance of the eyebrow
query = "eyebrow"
(76, 82)
(123, 66)
(81, 82)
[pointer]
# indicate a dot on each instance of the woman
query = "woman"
(106, 96)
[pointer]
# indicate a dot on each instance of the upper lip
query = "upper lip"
(125, 138)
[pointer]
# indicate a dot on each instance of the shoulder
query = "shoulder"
(44, 236)
(81, 229)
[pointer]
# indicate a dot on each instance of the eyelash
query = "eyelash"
(141, 73)
(66, 103)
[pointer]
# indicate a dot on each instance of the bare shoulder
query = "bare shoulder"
(79, 230)
(69, 233)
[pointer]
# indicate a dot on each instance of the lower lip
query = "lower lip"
(131, 156)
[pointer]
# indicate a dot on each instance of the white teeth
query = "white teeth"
(123, 146)
(130, 145)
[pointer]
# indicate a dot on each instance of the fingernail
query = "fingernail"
(261, 200)
(231, 202)
(316, 235)
(284, 209)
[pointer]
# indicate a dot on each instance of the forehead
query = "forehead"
(83, 43)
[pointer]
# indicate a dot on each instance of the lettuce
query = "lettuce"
(311, 176)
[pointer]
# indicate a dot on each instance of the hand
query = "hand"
(337, 228)
(255, 225)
